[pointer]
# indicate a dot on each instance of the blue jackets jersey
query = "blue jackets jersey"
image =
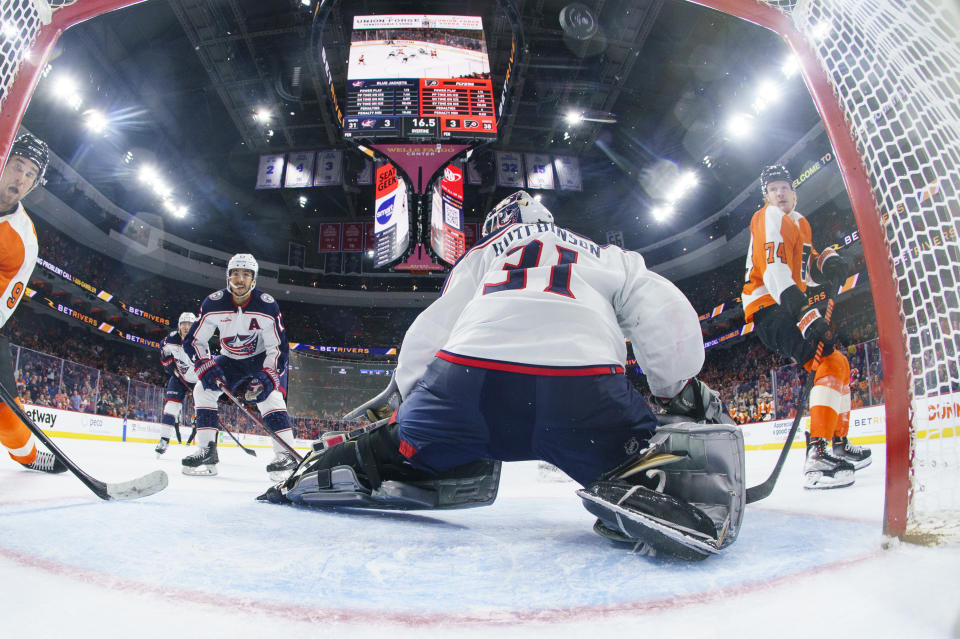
(174, 360)
(247, 331)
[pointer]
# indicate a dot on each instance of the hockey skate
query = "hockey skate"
(161, 446)
(46, 463)
(859, 456)
(203, 462)
(823, 470)
(281, 467)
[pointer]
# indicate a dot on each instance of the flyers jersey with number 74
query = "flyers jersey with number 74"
(779, 256)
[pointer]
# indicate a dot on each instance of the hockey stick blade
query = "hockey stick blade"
(140, 487)
(763, 489)
(145, 486)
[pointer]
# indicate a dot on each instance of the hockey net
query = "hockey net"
(885, 77)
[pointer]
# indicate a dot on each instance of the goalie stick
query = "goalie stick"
(140, 487)
(297, 456)
(763, 489)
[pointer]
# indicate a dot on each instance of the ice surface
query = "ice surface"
(203, 558)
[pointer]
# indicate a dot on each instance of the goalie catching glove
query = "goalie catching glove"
(380, 407)
(698, 402)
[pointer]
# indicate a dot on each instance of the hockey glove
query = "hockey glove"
(380, 407)
(697, 401)
(210, 373)
(261, 385)
(834, 268)
(813, 327)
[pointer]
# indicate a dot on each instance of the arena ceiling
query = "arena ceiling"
(181, 80)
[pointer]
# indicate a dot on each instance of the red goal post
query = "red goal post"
(884, 77)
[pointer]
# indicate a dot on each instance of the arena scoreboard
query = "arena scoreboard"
(422, 77)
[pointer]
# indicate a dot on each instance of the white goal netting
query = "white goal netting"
(894, 67)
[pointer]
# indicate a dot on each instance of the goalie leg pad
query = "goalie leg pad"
(340, 486)
(369, 471)
(634, 513)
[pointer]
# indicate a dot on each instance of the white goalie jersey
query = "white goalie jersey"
(585, 299)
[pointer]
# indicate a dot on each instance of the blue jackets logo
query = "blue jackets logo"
(241, 345)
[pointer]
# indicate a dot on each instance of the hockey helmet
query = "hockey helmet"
(34, 149)
(245, 261)
(515, 209)
(774, 173)
(187, 318)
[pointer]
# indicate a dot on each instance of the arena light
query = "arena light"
(790, 66)
(65, 88)
(148, 174)
(303, 201)
(96, 121)
(662, 213)
(682, 186)
(739, 125)
(768, 93)
(262, 114)
(573, 118)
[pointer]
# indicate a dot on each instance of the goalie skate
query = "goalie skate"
(202, 463)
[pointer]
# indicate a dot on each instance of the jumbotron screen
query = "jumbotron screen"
(420, 77)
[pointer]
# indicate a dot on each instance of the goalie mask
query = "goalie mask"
(245, 261)
(518, 208)
(772, 174)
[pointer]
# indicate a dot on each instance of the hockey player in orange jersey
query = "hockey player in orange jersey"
(18, 255)
(781, 264)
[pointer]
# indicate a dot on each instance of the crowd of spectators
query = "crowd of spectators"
(95, 373)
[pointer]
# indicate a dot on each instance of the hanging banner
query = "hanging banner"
(270, 171)
(329, 168)
(299, 170)
(568, 173)
(446, 215)
(470, 230)
(391, 217)
(369, 236)
(473, 174)
(509, 169)
(365, 176)
(329, 241)
(353, 236)
(615, 238)
(539, 171)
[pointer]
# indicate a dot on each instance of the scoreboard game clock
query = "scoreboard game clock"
(419, 77)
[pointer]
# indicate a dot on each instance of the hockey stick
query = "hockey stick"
(223, 388)
(140, 487)
(763, 490)
(237, 441)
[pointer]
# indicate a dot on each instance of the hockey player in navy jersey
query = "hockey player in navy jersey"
(252, 364)
(182, 379)
(522, 358)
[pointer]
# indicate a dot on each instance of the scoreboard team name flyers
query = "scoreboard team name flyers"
(419, 77)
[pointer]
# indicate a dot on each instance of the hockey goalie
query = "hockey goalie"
(521, 358)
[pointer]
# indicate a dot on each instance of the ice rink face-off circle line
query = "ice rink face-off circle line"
(311, 614)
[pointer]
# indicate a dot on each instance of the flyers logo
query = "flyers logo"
(431, 83)
(471, 124)
(450, 176)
